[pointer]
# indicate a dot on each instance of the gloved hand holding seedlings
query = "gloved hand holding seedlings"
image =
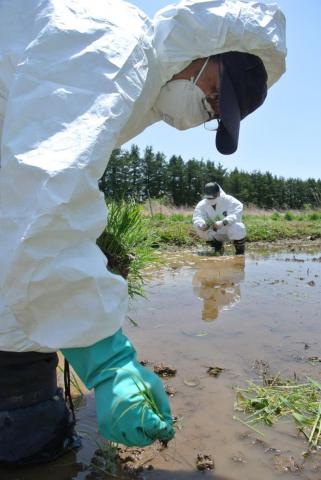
(204, 227)
(131, 404)
(217, 225)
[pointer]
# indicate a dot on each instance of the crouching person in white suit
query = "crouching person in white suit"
(218, 217)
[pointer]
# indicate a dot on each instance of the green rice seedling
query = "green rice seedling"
(270, 403)
(146, 400)
(106, 459)
(127, 243)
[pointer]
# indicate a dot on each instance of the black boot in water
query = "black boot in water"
(218, 246)
(239, 246)
(36, 425)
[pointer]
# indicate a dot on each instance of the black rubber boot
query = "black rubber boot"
(36, 425)
(218, 246)
(239, 246)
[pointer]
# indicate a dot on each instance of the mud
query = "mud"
(163, 370)
(252, 319)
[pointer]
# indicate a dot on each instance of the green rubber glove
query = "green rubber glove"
(111, 368)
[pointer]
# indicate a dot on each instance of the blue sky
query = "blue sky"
(284, 135)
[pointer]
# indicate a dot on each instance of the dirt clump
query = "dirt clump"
(214, 371)
(204, 462)
(169, 389)
(144, 362)
(163, 370)
(286, 463)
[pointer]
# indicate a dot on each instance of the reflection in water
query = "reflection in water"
(217, 282)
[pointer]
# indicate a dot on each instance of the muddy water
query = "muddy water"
(206, 311)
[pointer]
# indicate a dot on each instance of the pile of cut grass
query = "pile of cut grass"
(272, 402)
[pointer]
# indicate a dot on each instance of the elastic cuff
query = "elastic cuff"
(96, 363)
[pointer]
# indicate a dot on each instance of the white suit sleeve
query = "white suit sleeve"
(72, 93)
(234, 210)
(199, 216)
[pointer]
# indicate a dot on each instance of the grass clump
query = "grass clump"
(177, 217)
(159, 216)
(127, 243)
(315, 216)
(275, 216)
(269, 403)
(289, 216)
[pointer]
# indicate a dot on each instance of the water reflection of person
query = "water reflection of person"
(217, 281)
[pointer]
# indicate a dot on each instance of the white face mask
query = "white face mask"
(182, 104)
(213, 201)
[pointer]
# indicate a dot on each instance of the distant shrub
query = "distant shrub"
(289, 216)
(307, 206)
(314, 216)
(275, 216)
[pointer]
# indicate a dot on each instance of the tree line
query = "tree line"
(130, 174)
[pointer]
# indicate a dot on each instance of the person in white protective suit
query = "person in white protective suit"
(218, 217)
(77, 79)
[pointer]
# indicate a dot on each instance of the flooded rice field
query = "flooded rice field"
(219, 321)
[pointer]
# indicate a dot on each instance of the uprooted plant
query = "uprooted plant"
(271, 402)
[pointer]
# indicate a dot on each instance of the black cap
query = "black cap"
(243, 89)
(211, 190)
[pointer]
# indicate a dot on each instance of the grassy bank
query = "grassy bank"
(176, 229)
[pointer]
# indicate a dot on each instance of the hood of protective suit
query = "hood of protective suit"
(214, 201)
(199, 28)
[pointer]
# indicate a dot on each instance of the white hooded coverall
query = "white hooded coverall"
(77, 79)
(226, 208)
